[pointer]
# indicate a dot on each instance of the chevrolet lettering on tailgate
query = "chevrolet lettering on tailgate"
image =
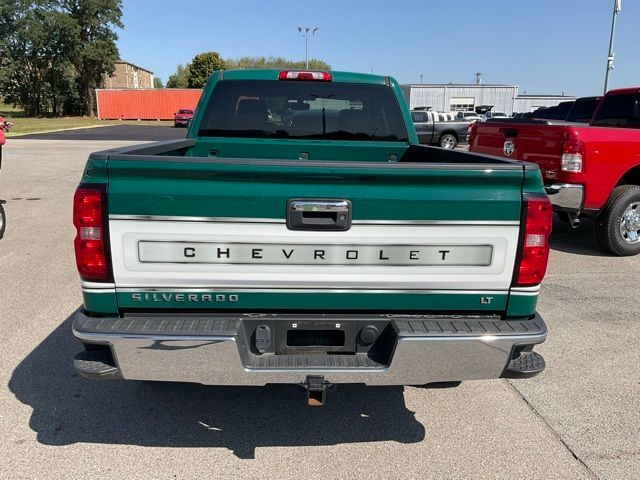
(243, 253)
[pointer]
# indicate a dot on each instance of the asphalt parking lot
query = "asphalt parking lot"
(129, 133)
(579, 419)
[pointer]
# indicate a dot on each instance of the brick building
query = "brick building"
(128, 75)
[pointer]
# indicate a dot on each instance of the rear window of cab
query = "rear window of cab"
(303, 110)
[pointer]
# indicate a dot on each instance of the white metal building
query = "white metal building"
(528, 103)
(454, 97)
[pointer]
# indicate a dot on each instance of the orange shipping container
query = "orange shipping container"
(145, 104)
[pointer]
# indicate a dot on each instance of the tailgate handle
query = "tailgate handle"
(312, 214)
(509, 132)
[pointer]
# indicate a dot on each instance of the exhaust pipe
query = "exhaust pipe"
(574, 220)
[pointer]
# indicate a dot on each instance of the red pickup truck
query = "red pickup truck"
(590, 171)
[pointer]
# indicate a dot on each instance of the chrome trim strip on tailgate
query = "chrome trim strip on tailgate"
(436, 222)
(98, 285)
(303, 290)
(175, 218)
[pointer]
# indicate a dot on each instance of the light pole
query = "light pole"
(308, 32)
(617, 6)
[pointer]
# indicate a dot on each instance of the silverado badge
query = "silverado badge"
(509, 147)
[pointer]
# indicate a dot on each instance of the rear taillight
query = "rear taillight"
(304, 75)
(534, 252)
(91, 239)
(572, 156)
(470, 133)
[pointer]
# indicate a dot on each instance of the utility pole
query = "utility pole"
(617, 6)
(478, 78)
(421, 78)
(306, 36)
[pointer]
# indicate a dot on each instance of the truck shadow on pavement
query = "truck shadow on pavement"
(580, 241)
(69, 409)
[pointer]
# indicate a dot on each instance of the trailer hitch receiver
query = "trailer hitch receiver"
(316, 387)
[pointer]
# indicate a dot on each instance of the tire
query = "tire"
(617, 228)
(3, 221)
(448, 141)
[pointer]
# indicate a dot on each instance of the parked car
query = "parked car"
(468, 116)
(539, 112)
(182, 117)
(582, 109)
(549, 112)
(334, 249)
(494, 115)
(561, 110)
(589, 171)
(433, 131)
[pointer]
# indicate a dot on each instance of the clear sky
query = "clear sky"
(544, 46)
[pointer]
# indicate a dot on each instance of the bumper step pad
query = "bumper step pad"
(214, 325)
(434, 325)
(96, 365)
(525, 365)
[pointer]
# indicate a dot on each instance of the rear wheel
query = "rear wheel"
(448, 141)
(617, 228)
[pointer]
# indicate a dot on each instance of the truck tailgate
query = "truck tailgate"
(536, 142)
(213, 234)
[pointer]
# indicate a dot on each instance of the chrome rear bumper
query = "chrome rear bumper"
(214, 350)
(566, 196)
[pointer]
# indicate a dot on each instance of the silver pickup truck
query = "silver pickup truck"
(432, 130)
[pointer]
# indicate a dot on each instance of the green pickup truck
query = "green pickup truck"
(301, 235)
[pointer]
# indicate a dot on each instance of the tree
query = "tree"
(180, 78)
(201, 68)
(274, 62)
(96, 51)
(36, 71)
(157, 82)
(54, 53)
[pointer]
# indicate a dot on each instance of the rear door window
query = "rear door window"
(619, 111)
(419, 117)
